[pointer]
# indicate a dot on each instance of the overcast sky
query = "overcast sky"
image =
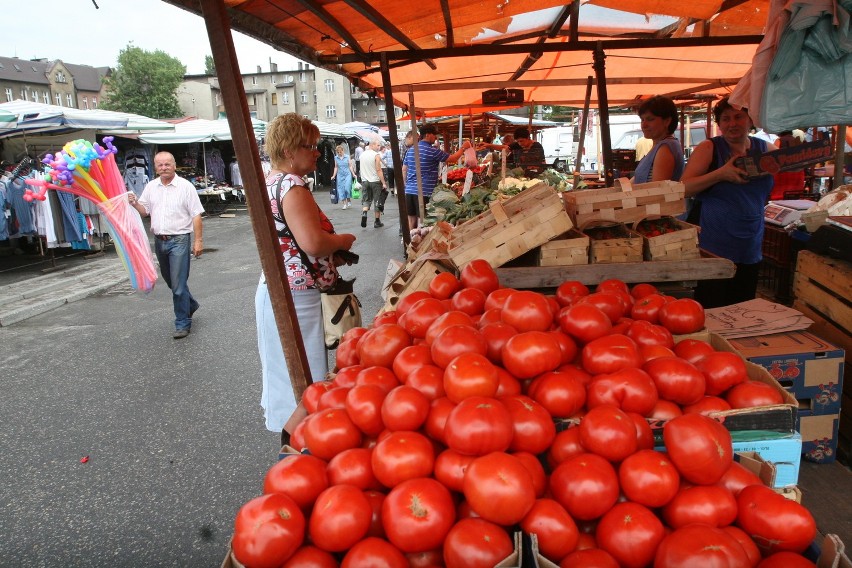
(75, 31)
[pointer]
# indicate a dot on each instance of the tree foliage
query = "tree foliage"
(145, 83)
(209, 65)
(560, 113)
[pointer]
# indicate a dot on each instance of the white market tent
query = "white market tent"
(198, 130)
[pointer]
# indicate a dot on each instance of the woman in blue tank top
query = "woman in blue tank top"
(731, 204)
(665, 160)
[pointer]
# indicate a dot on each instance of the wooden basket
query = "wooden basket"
(681, 244)
(510, 228)
(625, 203)
(413, 276)
(435, 240)
(568, 249)
(623, 244)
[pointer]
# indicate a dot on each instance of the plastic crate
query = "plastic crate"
(777, 245)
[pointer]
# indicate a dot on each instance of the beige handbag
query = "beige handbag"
(341, 311)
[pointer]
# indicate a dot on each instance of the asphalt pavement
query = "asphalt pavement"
(126, 447)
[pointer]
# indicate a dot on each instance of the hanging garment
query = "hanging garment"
(23, 209)
(83, 243)
(236, 176)
(135, 180)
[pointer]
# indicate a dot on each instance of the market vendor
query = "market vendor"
(664, 161)
(526, 153)
(731, 205)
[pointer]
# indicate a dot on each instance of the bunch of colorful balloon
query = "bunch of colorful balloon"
(89, 171)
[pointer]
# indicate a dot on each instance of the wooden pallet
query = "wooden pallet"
(678, 245)
(625, 203)
(510, 228)
(568, 249)
(822, 288)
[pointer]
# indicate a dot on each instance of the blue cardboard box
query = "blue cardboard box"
(785, 452)
(808, 367)
(819, 436)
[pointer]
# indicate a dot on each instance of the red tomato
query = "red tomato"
(567, 346)
(347, 353)
(346, 377)
(405, 302)
(570, 291)
(565, 445)
(608, 432)
(376, 552)
(536, 471)
(353, 467)
(421, 315)
(457, 340)
(650, 352)
(478, 274)
(498, 488)
(450, 467)
(312, 394)
(479, 426)
(268, 530)
(341, 517)
(750, 548)
(302, 477)
(444, 285)
(665, 410)
(311, 557)
(445, 320)
(428, 559)
(380, 345)
(476, 543)
(647, 308)
(584, 322)
(699, 446)
(417, 514)
(381, 377)
(707, 405)
(330, 432)
(682, 316)
(556, 531)
(609, 302)
(527, 311)
(297, 436)
(469, 300)
(612, 285)
(436, 422)
(737, 477)
(561, 393)
(353, 333)
(722, 370)
(385, 318)
(785, 560)
(496, 299)
(402, 456)
(533, 426)
(589, 558)
(609, 354)
(644, 434)
(508, 385)
(700, 545)
(677, 380)
(428, 379)
(692, 349)
(405, 408)
(470, 374)
(749, 394)
(364, 406)
(531, 353)
(649, 478)
(643, 290)
(645, 334)
(630, 389)
(631, 533)
(774, 522)
(704, 504)
(410, 359)
(586, 485)
(333, 398)
(496, 335)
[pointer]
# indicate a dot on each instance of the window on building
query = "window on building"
(285, 98)
(275, 99)
(60, 77)
(302, 79)
(330, 111)
(34, 96)
(8, 95)
(254, 79)
(68, 98)
(366, 102)
(315, 97)
(381, 107)
(94, 102)
(304, 96)
(329, 85)
(45, 98)
(58, 98)
(86, 103)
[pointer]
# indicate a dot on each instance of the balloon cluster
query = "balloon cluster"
(89, 170)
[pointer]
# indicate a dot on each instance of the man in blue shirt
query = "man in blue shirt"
(430, 160)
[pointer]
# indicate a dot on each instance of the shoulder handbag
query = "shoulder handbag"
(341, 308)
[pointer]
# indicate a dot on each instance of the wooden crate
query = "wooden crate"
(436, 240)
(625, 203)
(510, 228)
(568, 249)
(625, 246)
(413, 276)
(678, 245)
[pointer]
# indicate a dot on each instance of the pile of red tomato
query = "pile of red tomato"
(445, 429)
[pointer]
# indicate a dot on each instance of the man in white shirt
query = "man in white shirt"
(175, 210)
(373, 182)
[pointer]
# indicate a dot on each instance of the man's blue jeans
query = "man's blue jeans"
(173, 256)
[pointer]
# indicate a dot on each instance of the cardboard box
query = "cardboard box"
(819, 436)
(810, 368)
(784, 452)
